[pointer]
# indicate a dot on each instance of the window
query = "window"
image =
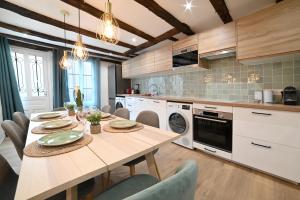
(19, 68)
(82, 74)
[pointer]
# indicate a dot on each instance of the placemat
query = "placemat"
(37, 119)
(137, 127)
(108, 118)
(36, 150)
(40, 130)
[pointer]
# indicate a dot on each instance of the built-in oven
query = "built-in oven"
(185, 57)
(213, 128)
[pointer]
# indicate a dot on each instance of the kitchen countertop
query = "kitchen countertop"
(265, 106)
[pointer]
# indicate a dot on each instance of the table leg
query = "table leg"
(152, 166)
(72, 193)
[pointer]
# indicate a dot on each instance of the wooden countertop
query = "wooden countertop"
(265, 106)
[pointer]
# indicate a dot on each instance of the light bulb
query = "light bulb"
(79, 52)
(108, 30)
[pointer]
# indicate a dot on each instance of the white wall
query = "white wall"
(104, 83)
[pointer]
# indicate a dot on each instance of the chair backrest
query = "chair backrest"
(149, 118)
(8, 180)
(21, 119)
(16, 134)
(122, 112)
(180, 186)
(59, 109)
(106, 109)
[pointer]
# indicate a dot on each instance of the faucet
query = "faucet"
(153, 90)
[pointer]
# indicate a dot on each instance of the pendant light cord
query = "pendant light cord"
(79, 20)
(65, 30)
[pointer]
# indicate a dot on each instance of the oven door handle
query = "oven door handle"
(213, 120)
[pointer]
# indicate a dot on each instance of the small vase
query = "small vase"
(71, 112)
(95, 129)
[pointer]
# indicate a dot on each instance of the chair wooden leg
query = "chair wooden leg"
(132, 170)
(108, 179)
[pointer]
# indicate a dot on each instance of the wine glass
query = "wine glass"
(81, 116)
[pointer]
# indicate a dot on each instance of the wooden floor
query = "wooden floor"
(217, 180)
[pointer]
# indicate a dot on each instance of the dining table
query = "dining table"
(43, 177)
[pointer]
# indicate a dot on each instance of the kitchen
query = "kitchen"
(220, 98)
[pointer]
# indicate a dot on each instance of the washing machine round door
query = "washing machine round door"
(178, 123)
(119, 105)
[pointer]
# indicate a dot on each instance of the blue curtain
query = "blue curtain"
(97, 84)
(60, 81)
(10, 96)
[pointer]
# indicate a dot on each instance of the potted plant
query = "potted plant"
(71, 110)
(95, 119)
(78, 98)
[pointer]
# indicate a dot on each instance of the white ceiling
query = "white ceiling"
(202, 17)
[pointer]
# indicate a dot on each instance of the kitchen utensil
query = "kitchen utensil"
(268, 96)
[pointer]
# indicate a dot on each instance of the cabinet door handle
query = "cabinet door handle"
(141, 99)
(156, 101)
(129, 105)
(212, 151)
(213, 120)
(259, 113)
(210, 107)
(260, 145)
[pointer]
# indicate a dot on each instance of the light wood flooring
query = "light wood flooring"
(217, 180)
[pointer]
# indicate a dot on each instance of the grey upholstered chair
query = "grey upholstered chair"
(59, 109)
(122, 112)
(21, 119)
(106, 109)
(149, 118)
(8, 180)
(180, 186)
(16, 134)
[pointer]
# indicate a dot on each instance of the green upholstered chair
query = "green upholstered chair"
(8, 180)
(21, 119)
(180, 186)
(122, 112)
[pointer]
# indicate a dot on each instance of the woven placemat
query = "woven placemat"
(108, 118)
(137, 127)
(37, 119)
(36, 150)
(40, 130)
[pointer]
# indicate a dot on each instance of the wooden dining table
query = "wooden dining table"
(43, 177)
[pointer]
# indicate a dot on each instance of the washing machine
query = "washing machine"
(120, 102)
(180, 120)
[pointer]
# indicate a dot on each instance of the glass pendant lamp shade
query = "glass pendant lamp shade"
(64, 62)
(79, 50)
(108, 28)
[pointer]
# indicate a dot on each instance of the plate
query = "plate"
(122, 124)
(105, 115)
(49, 115)
(56, 124)
(60, 138)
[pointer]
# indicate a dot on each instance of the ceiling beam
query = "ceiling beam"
(160, 38)
(166, 16)
(97, 13)
(44, 44)
(222, 10)
(54, 38)
(277, 1)
(48, 20)
(27, 45)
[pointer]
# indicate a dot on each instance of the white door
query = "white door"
(34, 74)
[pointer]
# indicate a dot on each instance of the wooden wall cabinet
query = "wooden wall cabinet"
(219, 38)
(187, 42)
(163, 59)
(272, 31)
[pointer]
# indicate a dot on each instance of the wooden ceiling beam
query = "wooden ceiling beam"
(48, 20)
(160, 38)
(166, 16)
(54, 38)
(31, 42)
(277, 1)
(97, 13)
(222, 10)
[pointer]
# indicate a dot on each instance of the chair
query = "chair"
(21, 119)
(149, 118)
(59, 109)
(180, 186)
(122, 112)
(8, 180)
(16, 134)
(106, 109)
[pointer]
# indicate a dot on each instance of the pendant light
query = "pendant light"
(79, 50)
(108, 27)
(64, 61)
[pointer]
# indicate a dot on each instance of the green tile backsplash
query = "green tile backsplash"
(226, 79)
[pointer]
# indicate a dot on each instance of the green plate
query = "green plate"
(49, 115)
(122, 124)
(56, 124)
(105, 115)
(60, 138)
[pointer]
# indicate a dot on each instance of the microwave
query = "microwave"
(185, 57)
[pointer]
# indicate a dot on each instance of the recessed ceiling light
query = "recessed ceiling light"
(188, 5)
(133, 39)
